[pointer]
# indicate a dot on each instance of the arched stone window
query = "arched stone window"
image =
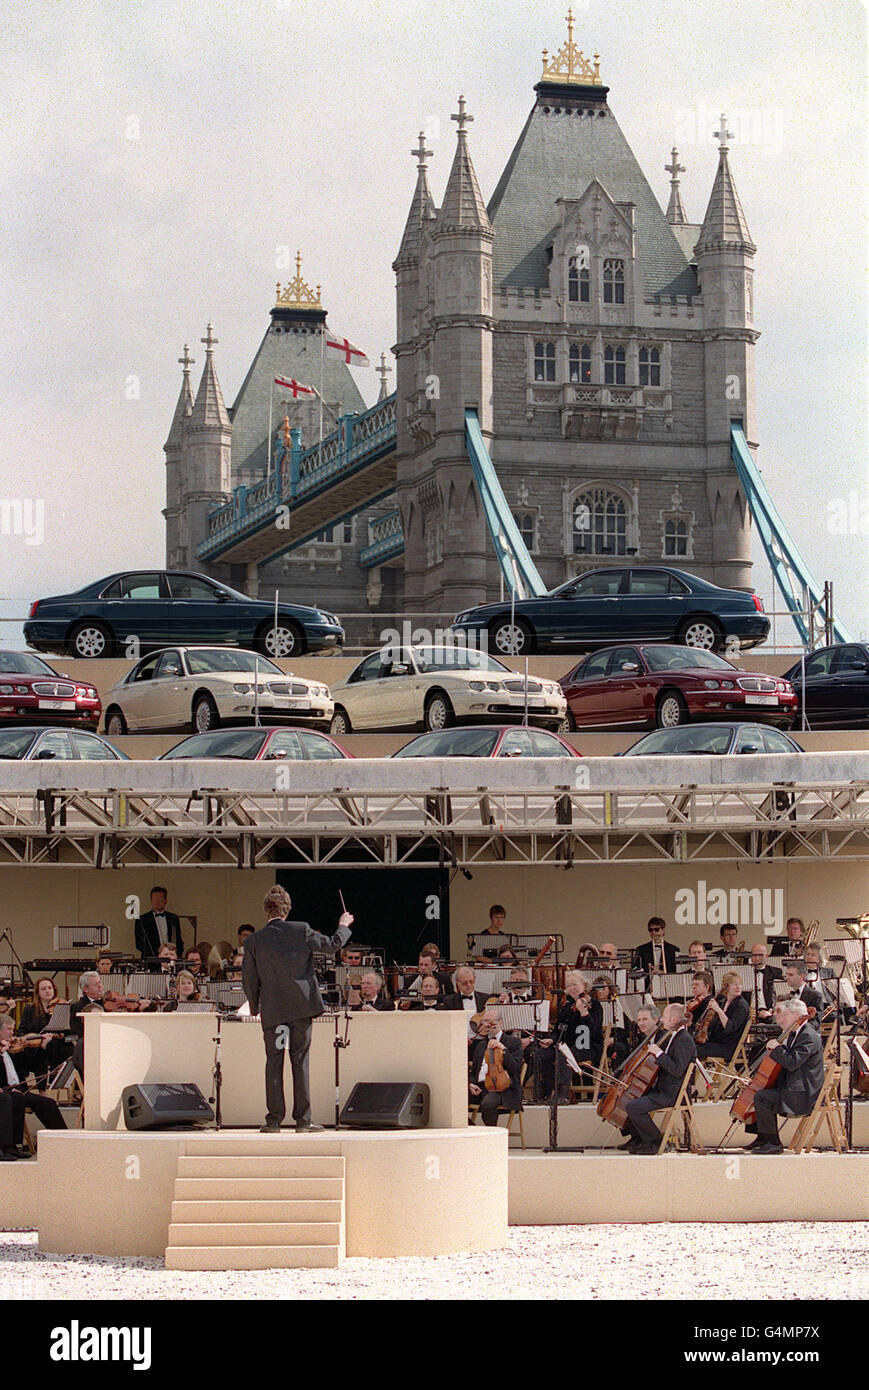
(613, 282)
(580, 362)
(650, 366)
(544, 361)
(601, 522)
(614, 366)
(578, 282)
(526, 522)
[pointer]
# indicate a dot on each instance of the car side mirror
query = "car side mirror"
(223, 597)
(858, 666)
(750, 748)
(46, 753)
(272, 757)
(400, 669)
(631, 666)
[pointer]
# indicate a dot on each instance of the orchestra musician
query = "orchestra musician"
(22, 1099)
(167, 955)
(728, 1023)
(702, 985)
(371, 996)
(761, 996)
(608, 951)
(45, 1050)
(821, 977)
(579, 1012)
(90, 998)
(791, 944)
(801, 1057)
(697, 952)
(157, 927)
(186, 992)
(655, 956)
(727, 950)
(674, 1058)
(429, 995)
(617, 1046)
(795, 976)
(517, 990)
(427, 965)
(466, 995)
(105, 963)
(491, 1035)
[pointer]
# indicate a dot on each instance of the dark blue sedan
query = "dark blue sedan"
(126, 614)
(624, 603)
(836, 686)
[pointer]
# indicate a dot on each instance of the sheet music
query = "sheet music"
(60, 1021)
(617, 978)
(849, 948)
(115, 982)
(569, 1058)
(195, 1006)
(782, 989)
(745, 973)
(671, 986)
(149, 985)
(632, 1003)
(522, 1016)
(613, 1014)
(491, 979)
(488, 941)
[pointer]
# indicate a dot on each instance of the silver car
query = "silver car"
(439, 686)
(200, 687)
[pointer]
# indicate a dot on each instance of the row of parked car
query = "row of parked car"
(623, 686)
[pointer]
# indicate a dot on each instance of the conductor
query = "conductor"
(278, 980)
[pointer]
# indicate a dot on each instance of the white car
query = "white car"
(439, 686)
(201, 687)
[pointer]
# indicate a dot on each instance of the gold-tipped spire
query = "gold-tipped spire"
(297, 294)
(570, 63)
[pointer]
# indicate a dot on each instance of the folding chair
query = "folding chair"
(681, 1109)
(474, 1110)
(722, 1080)
(828, 1106)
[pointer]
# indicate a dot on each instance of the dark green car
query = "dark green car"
(135, 612)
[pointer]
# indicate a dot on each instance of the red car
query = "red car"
(659, 686)
(263, 743)
(32, 691)
(488, 741)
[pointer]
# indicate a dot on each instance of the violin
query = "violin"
(701, 1032)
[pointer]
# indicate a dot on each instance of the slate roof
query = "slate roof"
(557, 156)
(208, 408)
(725, 220)
(463, 205)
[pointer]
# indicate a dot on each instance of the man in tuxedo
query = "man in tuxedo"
(158, 927)
(427, 965)
(90, 998)
(795, 976)
(801, 1057)
(762, 993)
(791, 944)
(279, 984)
(12, 1085)
(674, 1059)
(656, 953)
(466, 997)
(510, 1049)
(370, 996)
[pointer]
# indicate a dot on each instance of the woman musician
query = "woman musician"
(718, 1032)
(186, 991)
(35, 1050)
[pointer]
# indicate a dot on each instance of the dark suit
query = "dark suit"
(801, 1058)
(812, 1000)
(763, 988)
(672, 1066)
(490, 1102)
(148, 936)
(645, 955)
(278, 980)
(381, 1005)
(442, 978)
(455, 1001)
(22, 1099)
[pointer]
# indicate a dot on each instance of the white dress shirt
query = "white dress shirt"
(12, 1077)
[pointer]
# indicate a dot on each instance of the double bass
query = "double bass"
(636, 1077)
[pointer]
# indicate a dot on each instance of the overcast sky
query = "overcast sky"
(160, 157)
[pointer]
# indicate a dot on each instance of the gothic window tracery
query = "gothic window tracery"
(544, 361)
(579, 362)
(613, 281)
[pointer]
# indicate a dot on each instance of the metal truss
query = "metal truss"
(439, 826)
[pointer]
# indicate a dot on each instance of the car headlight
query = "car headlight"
(710, 685)
(727, 685)
(23, 690)
(7, 689)
(476, 685)
(242, 689)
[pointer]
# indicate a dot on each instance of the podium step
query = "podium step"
(253, 1209)
(256, 1189)
(194, 1257)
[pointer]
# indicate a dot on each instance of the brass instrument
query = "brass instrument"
(856, 927)
(811, 932)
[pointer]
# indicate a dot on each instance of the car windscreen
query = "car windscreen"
(231, 743)
(457, 743)
(14, 743)
(684, 742)
(454, 659)
(23, 664)
(218, 660)
(683, 659)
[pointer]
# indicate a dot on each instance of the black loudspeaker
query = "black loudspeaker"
(387, 1105)
(164, 1103)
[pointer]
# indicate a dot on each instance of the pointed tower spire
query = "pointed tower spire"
(383, 371)
(185, 403)
(675, 210)
(422, 209)
(463, 207)
(724, 223)
(208, 408)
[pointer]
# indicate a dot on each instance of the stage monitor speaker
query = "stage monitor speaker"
(387, 1105)
(164, 1103)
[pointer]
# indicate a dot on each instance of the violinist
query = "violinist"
(45, 1050)
(730, 1013)
(91, 997)
(494, 1052)
(22, 1098)
(579, 1024)
(702, 985)
(186, 992)
(674, 1058)
(801, 1057)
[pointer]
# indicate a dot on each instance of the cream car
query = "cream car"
(200, 687)
(436, 687)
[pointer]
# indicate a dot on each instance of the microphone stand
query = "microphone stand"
(339, 1044)
(6, 936)
(217, 1078)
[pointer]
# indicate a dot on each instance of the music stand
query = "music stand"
(553, 1146)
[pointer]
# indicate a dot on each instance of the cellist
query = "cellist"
(495, 1051)
(801, 1058)
(674, 1059)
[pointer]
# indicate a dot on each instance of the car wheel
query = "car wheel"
(282, 641)
(567, 725)
(438, 712)
(90, 640)
(703, 633)
(511, 638)
(116, 724)
(340, 724)
(205, 715)
(671, 710)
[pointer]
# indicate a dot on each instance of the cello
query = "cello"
(636, 1077)
(764, 1076)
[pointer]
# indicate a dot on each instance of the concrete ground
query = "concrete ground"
(669, 1261)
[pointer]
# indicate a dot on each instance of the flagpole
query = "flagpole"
(271, 400)
(320, 393)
